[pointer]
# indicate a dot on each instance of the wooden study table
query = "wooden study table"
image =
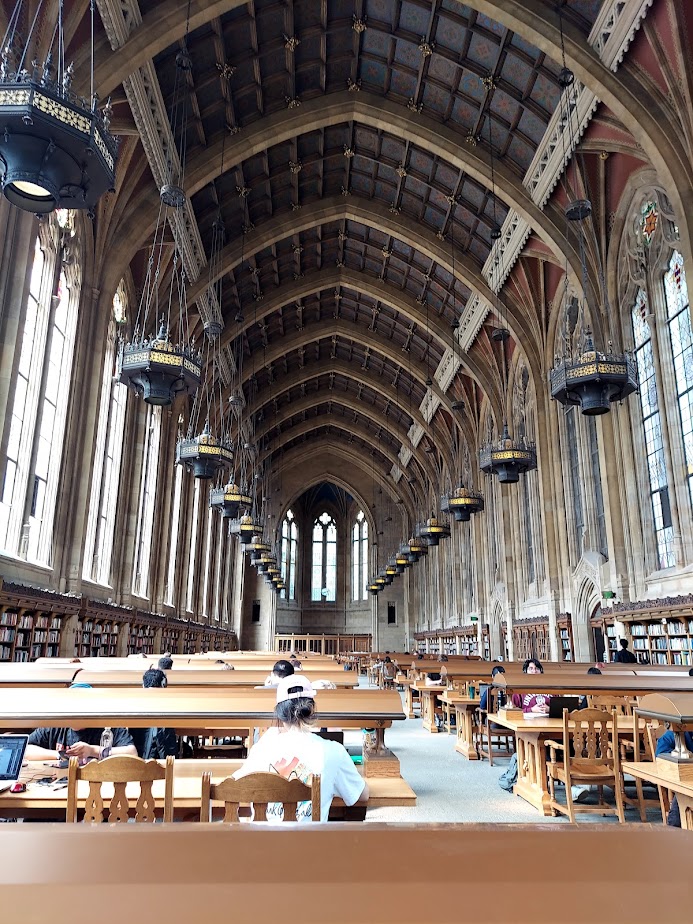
(194, 710)
(28, 674)
(427, 698)
(202, 678)
(40, 801)
(651, 773)
(612, 684)
(347, 874)
(464, 722)
(531, 737)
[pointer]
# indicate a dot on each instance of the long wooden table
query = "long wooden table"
(348, 874)
(650, 772)
(612, 684)
(531, 736)
(202, 678)
(200, 710)
(40, 801)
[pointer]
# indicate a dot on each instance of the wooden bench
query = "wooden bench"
(349, 874)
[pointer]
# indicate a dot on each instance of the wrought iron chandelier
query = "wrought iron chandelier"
(56, 150)
(584, 376)
(433, 530)
(462, 503)
(156, 367)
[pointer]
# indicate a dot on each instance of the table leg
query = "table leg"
(532, 783)
(465, 733)
(428, 711)
(378, 760)
(409, 700)
(686, 809)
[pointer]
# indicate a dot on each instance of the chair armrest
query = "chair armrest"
(555, 745)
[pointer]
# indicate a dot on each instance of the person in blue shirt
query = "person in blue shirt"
(483, 702)
(665, 745)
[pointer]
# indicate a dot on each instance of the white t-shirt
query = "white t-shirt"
(298, 754)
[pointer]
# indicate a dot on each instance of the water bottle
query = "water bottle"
(106, 744)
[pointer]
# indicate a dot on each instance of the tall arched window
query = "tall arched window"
(679, 323)
(39, 410)
(192, 552)
(324, 571)
(652, 425)
(175, 525)
(359, 558)
(145, 511)
(107, 455)
(288, 563)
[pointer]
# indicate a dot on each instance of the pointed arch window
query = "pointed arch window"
(175, 525)
(288, 562)
(359, 558)
(145, 512)
(679, 323)
(324, 570)
(192, 552)
(652, 425)
(107, 457)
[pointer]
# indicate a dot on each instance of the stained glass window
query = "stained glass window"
(679, 316)
(649, 221)
(324, 569)
(359, 558)
(288, 562)
(654, 447)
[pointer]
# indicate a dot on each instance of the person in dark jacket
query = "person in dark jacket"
(624, 656)
(665, 745)
(154, 743)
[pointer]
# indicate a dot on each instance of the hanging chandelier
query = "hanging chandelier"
(257, 546)
(157, 367)
(246, 528)
(433, 530)
(587, 378)
(415, 549)
(462, 503)
(204, 455)
(374, 588)
(56, 150)
(229, 500)
(391, 571)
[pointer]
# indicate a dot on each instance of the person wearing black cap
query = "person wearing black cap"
(85, 743)
(280, 670)
(291, 750)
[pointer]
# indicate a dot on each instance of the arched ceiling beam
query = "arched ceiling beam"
(375, 215)
(352, 371)
(337, 423)
(368, 109)
(307, 403)
(322, 330)
(641, 112)
(368, 285)
(302, 454)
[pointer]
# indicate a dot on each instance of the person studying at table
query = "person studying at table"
(294, 752)
(532, 703)
(156, 743)
(84, 743)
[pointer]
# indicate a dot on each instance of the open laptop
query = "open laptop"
(558, 703)
(12, 748)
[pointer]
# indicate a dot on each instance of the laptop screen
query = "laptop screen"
(12, 748)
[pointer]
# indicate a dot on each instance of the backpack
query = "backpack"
(508, 778)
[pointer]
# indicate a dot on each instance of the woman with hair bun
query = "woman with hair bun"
(293, 751)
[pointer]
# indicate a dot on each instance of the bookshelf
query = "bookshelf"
(661, 630)
(566, 649)
(141, 639)
(32, 622)
(96, 638)
(172, 639)
(469, 641)
(531, 639)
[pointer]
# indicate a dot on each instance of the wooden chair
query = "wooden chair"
(119, 770)
(590, 757)
(259, 789)
(492, 740)
(652, 735)
(622, 704)
(388, 675)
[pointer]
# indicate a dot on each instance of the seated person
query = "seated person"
(165, 663)
(154, 743)
(280, 670)
(500, 695)
(583, 700)
(434, 679)
(291, 750)
(84, 743)
(296, 664)
(665, 745)
(224, 666)
(534, 703)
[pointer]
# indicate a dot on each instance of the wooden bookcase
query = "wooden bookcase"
(172, 639)
(469, 641)
(661, 631)
(97, 637)
(566, 647)
(486, 642)
(531, 639)
(32, 621)
(141, 639)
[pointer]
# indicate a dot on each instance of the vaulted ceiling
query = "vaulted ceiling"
(360, 155)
